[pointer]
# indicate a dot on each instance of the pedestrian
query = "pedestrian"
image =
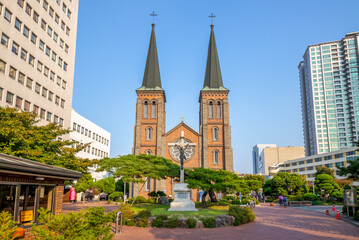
(264, 198)
(280, 199)
(72, 195)
(285, 201)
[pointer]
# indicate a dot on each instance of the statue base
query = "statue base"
(182, 201)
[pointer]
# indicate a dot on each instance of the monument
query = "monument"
(182, 201)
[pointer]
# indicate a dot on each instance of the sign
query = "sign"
(26, 216)
(350, 198)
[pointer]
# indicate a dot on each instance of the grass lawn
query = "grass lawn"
(162, 209)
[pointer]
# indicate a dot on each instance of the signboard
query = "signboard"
(350, 198)
(26, 216)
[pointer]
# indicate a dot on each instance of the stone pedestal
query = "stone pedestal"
(182, 201)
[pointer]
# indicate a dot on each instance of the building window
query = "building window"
(33, 38)
(51, 12)
(63, 84)
(46, 71)
(47, 51)
(60, 62)
(35, 16)
(9, 98)
(20, 3)
(23, 54)
(4, 40)
(53, 56)
(56, 119)
(42, 113)
(219, 110)
(44, 92)
(48, 116)
(50, 96)
(215, 157)
(35, 110)
(2, 66)
(64, 7)
(43, 24)
(26, 31)
(145, 109)
(18, 102)
(210, 110)
(62, 103)
(1, 93)
(68, 31)
(7, 15)
(45, 5)
(148, 185)
(41, 45)
(68, 13)
(15, 48)
(57, 18)
(31, 60)
(12, 73)
(29, 82)
(49, 31)
(37, 88)
(153, 110)
(148, 134)
(28, 9)
(17, 24)
(21, 78)
(65, 66)
(52, 75)
(57, 100)
(215, 133)
(55, 37)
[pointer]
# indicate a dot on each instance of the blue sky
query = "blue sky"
(260, 44)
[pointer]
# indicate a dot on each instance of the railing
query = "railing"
(116, 231)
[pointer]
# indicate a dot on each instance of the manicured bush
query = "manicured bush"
(242, 215)
(208, 222)
(143, 222)
(130, 222)
(191, 222)
(310, 197)
(7, 226)
(338, 195)
(138, 200)
(144, 213)
(115, 196)
(163, 217)
(245, 202)
(127, 212)
(158, 222)
(236, 202)
(356, 215)
(173, 222)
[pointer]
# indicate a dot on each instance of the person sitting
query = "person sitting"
(285, 201)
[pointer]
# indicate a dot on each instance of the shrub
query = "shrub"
(115, 196)
(269, 199)
(170, 200)
(209, 222)
(245, 201)
(229, 198)
(112, 216)
(126, 211)
(144, 213)
(338, 195)
(356, 215)
(138, 200)
(236, 202)
(130, 222)
(191, 222)
(158, 222)
(7, 228)
(257, 202)
(173, 222)
(310, 197)
(143, 222)
(299, 196)
(242, 215)
(92, 223)
(163, 217)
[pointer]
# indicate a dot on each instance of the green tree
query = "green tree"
(211, 181)
(351, 170)
(106, 185)
(84, 183)
(120, 186)
(283, 184)
(324, 170)
(22, 136)
(259, 178)
(326, 182)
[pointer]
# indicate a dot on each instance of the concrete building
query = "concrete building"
(85, 131)
(269, 156)
(256, 153)
(329, 84)
(37, 57)
(307, 165)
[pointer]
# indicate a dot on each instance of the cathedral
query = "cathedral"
(209, 148)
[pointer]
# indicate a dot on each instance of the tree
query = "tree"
(259, 178)
(324, 170)
(84, 183)
(351, 170)
(326, 182)
(120, 186)
(211, 181)
(106, 185)
(22, 136)
(283, 184)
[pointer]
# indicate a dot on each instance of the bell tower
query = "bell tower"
(150, 107)
(214, 127)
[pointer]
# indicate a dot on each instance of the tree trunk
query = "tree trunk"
(212, 196)
(204, 205)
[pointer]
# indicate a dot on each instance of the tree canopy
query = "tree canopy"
(135, 168)
(326, 182)
(106, 185)
(283, 184)
(351, 170)
(324, 170)
(22, 136)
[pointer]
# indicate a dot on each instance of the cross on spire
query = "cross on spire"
(153, 15)
(212, 16)
(182, 118)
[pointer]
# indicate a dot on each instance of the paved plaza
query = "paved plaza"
(271, 223)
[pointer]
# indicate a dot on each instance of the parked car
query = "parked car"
(103, 196)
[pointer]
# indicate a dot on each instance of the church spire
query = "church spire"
(151, 77)
(213, 76)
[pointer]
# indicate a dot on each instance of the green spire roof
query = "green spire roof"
(213, 77)
(151, 77)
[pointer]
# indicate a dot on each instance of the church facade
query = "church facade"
(210, 148)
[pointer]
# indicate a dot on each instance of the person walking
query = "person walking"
(280, 200)
(285, 201)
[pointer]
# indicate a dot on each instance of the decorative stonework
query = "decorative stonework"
(175, 153)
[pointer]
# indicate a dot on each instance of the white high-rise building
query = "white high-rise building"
(85, 131)
(329, 84)
(256, 156)
(37, 57)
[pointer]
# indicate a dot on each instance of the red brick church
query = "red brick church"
(211, 146)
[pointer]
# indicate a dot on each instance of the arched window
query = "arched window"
(148, 133)
(215, 157)
(219, 110)
(148, 185)
(215, 133)
(145, 110)
(153, 110)
(148, 152)
(210, 110)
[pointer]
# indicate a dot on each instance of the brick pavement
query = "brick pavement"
(271, 223)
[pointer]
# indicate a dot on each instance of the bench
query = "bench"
(299, 203)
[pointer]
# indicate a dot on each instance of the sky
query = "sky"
(260, 44)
